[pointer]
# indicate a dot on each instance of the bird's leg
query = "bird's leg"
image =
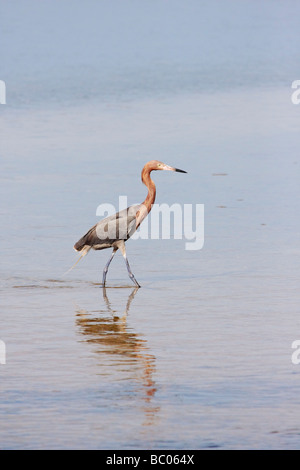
(121, 246)
(107, 265)
(130, 272)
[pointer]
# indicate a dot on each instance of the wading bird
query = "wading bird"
(114, 231)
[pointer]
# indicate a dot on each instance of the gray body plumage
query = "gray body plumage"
(109, 231)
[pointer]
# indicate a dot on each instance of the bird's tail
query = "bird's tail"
(84, 252)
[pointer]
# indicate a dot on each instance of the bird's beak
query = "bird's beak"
(170, 168)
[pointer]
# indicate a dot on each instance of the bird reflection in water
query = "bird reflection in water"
(128, 354)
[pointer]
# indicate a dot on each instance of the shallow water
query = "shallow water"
(200, 356)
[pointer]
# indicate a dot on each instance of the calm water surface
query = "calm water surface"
(200, 356)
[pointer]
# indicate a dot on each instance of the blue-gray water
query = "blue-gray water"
(200, 356)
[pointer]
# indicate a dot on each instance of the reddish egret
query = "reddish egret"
(113, 231)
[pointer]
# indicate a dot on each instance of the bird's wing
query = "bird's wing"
(119, 226)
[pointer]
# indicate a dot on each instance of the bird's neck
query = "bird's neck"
(146, 179)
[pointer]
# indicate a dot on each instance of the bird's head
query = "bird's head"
(156, 165)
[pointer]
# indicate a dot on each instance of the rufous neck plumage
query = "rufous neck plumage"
(146, 179)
